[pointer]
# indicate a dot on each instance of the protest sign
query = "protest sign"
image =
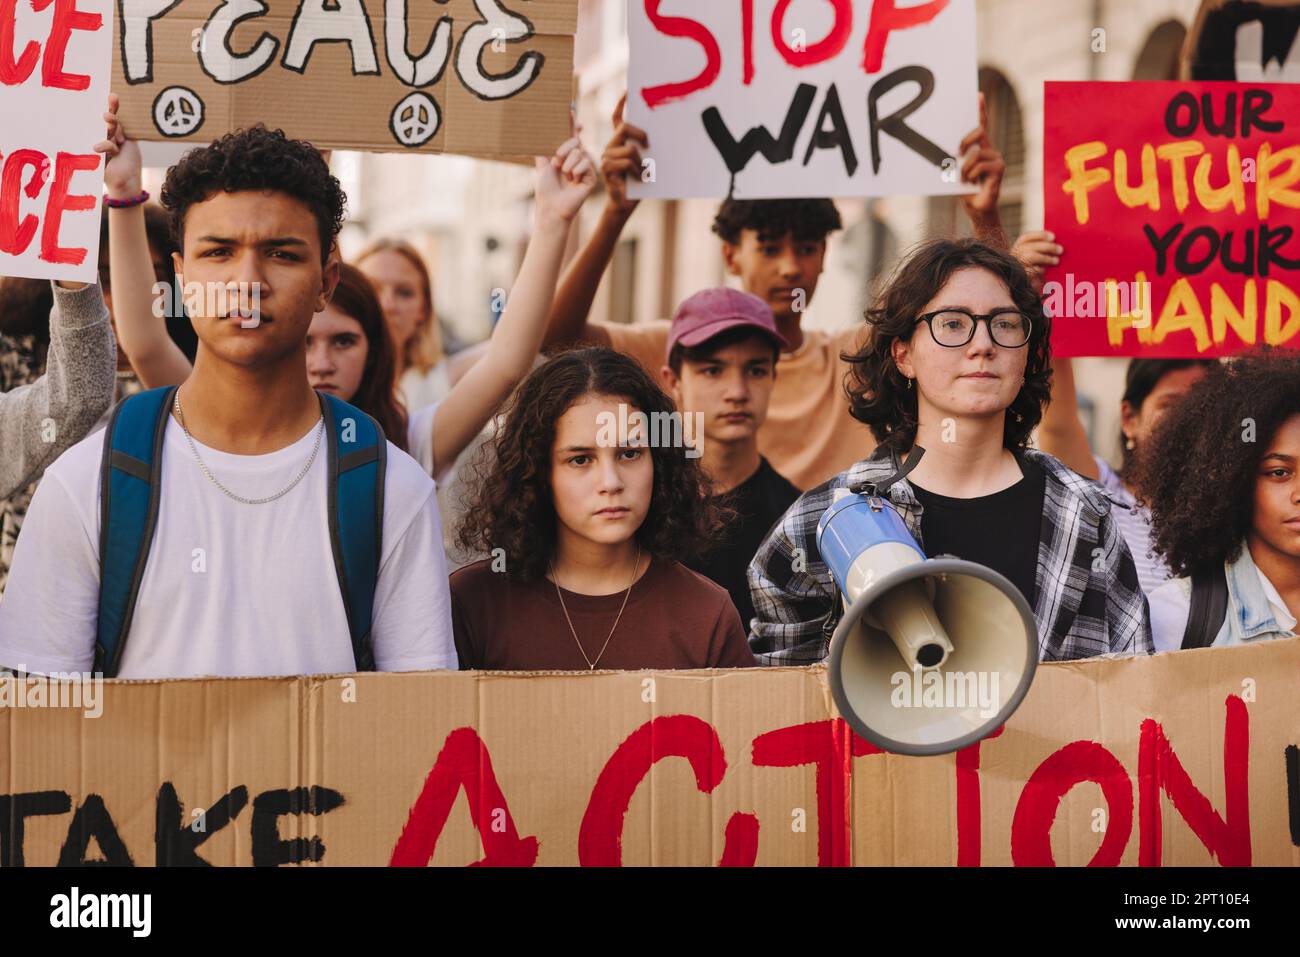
(1178, 216)
(54, 63)
(766, 98)
(492, 78)
(1187, 758)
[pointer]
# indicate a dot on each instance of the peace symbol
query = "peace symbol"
(177, 111)
(415, 119)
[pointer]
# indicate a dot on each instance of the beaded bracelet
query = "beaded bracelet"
(127, 203)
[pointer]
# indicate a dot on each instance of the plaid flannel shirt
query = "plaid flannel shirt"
(1088, 603)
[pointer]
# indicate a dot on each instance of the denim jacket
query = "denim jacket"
(1250, 613)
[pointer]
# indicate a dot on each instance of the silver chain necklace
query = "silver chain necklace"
(229, 494)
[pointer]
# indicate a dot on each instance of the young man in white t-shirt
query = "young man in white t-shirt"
(240, 578)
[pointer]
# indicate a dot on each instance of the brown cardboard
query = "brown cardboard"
(374, 738)
(324, 102)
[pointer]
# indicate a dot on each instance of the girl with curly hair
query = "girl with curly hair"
(957, 367)
(1230, 526)
(586, 511)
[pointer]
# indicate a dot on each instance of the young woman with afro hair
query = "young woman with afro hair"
(1222, 479)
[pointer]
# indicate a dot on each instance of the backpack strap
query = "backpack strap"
(357, 462)
(1209, 608)
(129, 485)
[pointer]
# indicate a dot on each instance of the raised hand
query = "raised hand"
(122, 155)
(983, 166)
(565, 180)
(1037, 250)
(621, 159)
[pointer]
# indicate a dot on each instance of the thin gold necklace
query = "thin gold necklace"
(591, 665)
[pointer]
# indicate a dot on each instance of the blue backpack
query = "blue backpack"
(131, 481)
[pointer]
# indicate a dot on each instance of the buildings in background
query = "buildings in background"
(471, 218)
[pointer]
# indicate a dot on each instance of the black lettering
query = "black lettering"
(1228, 127)
(175, 840)
(1161, 244)
(1186, 100)
(1269, 241)
(1253, 105)
(1293, 791)
(893, 124)
(15, 809)
(1183, 261)
(269, 806)
(92, 820)
(758, 140)
(837, 135)
(1246, 265)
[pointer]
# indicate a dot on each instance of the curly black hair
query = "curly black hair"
(808, 220)
(878, 392)
(257, 159)
(511, 506)
(1197, 471)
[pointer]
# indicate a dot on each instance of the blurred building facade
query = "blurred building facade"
(471, 218)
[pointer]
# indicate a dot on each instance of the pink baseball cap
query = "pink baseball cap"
(711, 311)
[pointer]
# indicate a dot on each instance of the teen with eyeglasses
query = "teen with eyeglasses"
(958, 366)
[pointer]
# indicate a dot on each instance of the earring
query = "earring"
(909, 383)
(1018, 416)
(1130, 444)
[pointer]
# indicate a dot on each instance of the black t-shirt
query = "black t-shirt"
(999, 530)
(758, 501)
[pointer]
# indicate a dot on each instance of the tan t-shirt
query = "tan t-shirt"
(809, 435)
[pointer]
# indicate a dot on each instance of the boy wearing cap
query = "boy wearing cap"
(722, 350)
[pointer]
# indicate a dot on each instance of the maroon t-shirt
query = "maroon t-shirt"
(674, 618)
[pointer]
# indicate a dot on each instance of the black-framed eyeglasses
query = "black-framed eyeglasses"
(954, 328)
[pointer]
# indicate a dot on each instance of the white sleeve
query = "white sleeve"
(50, 606)
(1170, 605)
(419, 436)
(411, 628)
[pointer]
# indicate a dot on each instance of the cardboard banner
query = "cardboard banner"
(762, 99)
(491, 78)
(1178, 206)
(1180, 759)
(54, 63)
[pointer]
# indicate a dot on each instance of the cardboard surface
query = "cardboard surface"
(53, 92)
(491, 78)
(1179, 759)
(763, 99)
(1202, 206)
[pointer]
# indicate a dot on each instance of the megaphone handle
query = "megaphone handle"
(882, 487)
(833, 616)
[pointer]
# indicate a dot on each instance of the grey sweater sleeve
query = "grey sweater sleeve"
(39, 421)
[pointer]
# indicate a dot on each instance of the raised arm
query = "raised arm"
(1061, 433)
(39, 421)
(567, 322)
(563, 183)
(983, 166)
(157, 360)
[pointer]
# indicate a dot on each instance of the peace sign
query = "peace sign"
(178, 111)
(415, 119)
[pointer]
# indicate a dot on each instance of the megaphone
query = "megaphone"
(932, 654)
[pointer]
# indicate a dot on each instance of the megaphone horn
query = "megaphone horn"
(931, 654)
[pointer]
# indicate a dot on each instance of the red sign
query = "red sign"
(1177, 205)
